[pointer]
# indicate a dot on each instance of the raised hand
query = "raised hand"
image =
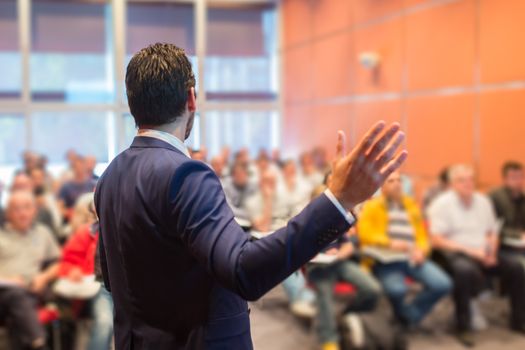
(357, 175)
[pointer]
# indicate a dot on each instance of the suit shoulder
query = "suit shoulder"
(194, 173)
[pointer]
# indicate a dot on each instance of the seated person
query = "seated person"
(309, 171)
(23, 182)
(219, 166)
(269, 209)
(323, 277)
(463, 227)
(237, 189)
(296, 189)
(394, 222)
(509, 203)
(25, 248)
(82, 182)
(78, 260)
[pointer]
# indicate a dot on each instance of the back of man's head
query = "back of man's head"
(158, 79)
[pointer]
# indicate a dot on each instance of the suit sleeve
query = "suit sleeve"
(200, 215)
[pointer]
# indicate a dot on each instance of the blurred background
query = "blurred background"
(276, 79)
(63, 65)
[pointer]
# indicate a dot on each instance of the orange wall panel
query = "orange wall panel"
(425, 46)
(440, 46)
(295, 136)
(327, 120)
(502, 46)
(299, 70)
(332, 67)
(331, 16)
(502, 131)
(386, 39)
(440, 132)
(366, 10)
(368, 113)
(411, 3)
(297, 21)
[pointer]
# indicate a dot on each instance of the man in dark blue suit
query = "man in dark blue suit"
(179, 267)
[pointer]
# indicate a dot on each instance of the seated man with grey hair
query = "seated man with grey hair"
(28, 264)
(464, 231)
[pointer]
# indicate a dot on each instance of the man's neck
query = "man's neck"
(177, 129)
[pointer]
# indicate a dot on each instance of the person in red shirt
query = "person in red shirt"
(80, 259)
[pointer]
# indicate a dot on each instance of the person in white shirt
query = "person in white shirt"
(309, 171)
(269, 209)
(296, 189)
(463, 227)
(238, 189)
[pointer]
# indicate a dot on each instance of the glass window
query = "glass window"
(53, 133)
(130, 131)
(10, 58)
(71, 58)
(255, 130)
(149, 23)
(241, 60)
(12, 138)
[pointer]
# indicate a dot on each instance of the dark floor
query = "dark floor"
(274, 328)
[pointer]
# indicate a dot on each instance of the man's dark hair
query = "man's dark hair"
(158, 79)
(510, 166)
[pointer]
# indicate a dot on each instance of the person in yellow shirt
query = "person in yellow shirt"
(393, 236)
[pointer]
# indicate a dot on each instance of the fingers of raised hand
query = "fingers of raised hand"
(379, 146)
(370, 137)
(389, 151)
(341, 145)
(393, 164)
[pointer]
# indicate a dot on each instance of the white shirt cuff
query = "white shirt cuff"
(347, 215)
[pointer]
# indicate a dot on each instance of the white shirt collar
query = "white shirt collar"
(166, 137)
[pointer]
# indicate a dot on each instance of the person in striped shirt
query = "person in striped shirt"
(393, 226)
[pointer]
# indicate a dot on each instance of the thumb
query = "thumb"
(340, 149)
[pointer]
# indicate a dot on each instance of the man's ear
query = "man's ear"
(192, 100)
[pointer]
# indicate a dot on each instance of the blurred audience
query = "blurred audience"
(475, 240)
(23, 182)
(91, 164)
(82, 182)
(435, 190)
(238, 188)
(80, 261)
(312, 173)
(28, 264)
(295, 188)
(324, 276)
(269, 209)
(219, 166)
(394, 223)
(509, 203)
(45, 196)
(464, 231)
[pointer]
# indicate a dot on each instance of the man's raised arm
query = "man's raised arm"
(205, 223)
